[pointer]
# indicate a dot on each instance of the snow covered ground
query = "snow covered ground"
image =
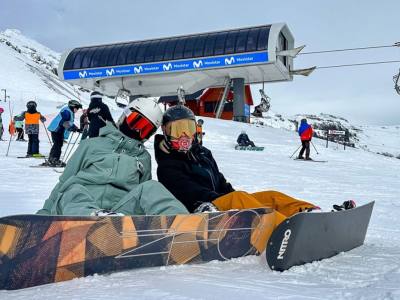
(368, 272)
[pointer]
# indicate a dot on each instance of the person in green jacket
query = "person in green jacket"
(111, 174)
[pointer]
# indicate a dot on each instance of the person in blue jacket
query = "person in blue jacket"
(60, 127)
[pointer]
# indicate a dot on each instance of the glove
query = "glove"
(206, 207)
(75, 129)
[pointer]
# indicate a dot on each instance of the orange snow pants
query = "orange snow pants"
(284, 205)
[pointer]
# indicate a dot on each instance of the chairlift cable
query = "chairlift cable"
(397, 44)
(360, 64)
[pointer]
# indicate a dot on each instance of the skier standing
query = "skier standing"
(60, 127)
(199, 131)
(32, 118)
(305, 132)
(190, 172)
(98, 114)
(84, 124)
(1, 124)
(243, 140)
(111, 174)
(19, 128)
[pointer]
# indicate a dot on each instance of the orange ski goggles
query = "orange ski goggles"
(139, 123)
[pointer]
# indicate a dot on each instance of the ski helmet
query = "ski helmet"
(177, 112)
(74, 104)
(140, 119)
(200, 121)
(31, 104)
(179, 128)
(1, 110)
(96, 95)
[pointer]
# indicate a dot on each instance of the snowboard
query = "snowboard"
(307, 237)
(249, 148)
(37, 249)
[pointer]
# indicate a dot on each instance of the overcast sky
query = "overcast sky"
(364, 95)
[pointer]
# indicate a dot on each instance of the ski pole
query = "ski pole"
(295, 151)
(9, 143)
(47, 133)
(314, 146)
(69, 143)
(11, 110)
(72, 148)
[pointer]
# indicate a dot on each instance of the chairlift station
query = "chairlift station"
(158, 67)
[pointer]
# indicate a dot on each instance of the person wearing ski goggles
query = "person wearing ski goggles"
(111, 174)
(189, 171)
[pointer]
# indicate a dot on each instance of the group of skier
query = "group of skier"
(111, 174)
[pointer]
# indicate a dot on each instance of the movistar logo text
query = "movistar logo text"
(197, 64)
(82, 74)
(138, 69)
(167, 67)
(110, 72)
(284, 243)
(229, 61)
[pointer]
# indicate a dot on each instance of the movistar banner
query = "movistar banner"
(170, 66)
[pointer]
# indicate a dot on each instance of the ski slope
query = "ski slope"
(368, 272)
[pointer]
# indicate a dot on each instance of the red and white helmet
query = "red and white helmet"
(141, 119)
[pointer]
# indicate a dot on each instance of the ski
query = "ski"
(38, 249)
(311, 160)
(45, 166)
(307, 237)
(32, 157)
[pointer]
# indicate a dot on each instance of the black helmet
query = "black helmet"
(31, 104)
(200, 121)
(177, 112)
(74, 104)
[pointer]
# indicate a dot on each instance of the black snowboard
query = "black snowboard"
(307, 237)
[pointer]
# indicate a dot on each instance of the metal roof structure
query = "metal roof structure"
(159, 66)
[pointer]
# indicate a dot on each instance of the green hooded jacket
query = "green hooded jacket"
(110, 172)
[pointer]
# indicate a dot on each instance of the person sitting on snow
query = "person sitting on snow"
(244, 141)
(111, 174)
(189, 171)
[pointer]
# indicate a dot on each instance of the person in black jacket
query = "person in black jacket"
(189, 171)
(98, 114)
(243, 140)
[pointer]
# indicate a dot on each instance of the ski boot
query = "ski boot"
(56, 163)
(349, 204)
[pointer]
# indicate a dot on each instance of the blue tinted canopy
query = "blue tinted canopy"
(183, 47)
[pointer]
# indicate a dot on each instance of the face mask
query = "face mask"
(181, 134)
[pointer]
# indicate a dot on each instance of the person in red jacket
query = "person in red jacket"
(305, 133)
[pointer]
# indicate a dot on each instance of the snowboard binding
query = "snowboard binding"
(349, 204)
